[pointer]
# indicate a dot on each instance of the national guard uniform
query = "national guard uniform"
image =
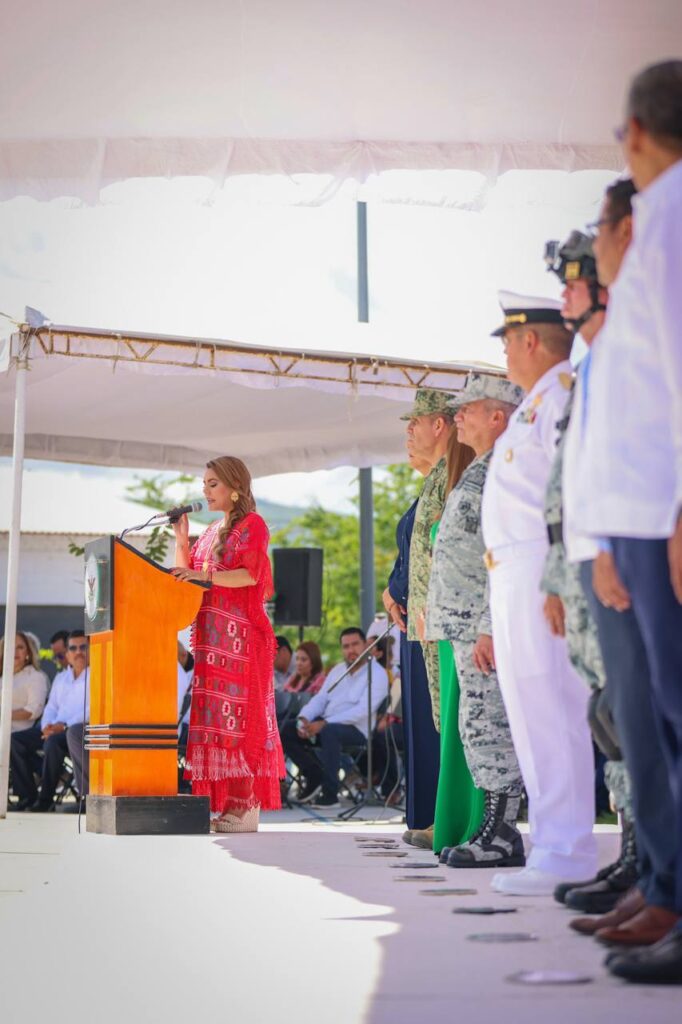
(429, 509)
(546, 701)
(458, 611)
(574, 261)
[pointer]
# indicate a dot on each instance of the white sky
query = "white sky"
(253, 263)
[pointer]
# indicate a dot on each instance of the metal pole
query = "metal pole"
(367, 584)
(13, 568)
(367, 598)
(363, 276)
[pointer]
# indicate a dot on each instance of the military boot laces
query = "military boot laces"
(498, 843)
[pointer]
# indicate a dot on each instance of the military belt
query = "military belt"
(555, 532)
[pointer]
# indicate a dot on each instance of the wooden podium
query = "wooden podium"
(133, 611)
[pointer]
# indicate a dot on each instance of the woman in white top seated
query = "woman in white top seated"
(29, 693)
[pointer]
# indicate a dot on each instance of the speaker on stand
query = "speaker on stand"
(298, 587)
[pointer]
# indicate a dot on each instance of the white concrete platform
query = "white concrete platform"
(294, 925)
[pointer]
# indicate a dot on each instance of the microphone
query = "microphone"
(174, 514)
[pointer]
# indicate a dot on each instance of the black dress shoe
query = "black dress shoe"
(658, 965)
(602, 896)
(563, 888)
(40, 807)
(20, 805)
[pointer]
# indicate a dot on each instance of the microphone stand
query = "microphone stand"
(141, 526)
(370, 798)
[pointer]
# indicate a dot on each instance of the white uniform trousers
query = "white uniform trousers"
(546, 704)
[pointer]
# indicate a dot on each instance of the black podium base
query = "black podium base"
(148, 815)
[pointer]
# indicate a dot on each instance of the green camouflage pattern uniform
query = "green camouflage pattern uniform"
(429, 509)
(458, 611)
(562, 578)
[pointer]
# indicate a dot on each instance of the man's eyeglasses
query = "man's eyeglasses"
(78, 647)
(620, 131)
(593, 228)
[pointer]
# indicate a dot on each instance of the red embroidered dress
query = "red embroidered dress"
(234, 754)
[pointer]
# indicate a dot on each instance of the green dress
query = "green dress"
(459, 804)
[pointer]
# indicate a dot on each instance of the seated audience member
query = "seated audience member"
(63, 723)
(283, 657)
(334, 718)
(185, 675)
(387, 738)
(309, 675)
(306, 681)
(58, 643)
(185, 659)
(29, 693)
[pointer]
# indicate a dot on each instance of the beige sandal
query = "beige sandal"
(233, 823)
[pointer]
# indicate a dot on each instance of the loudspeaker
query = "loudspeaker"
(298, 586)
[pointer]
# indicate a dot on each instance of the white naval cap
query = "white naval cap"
(527, 309)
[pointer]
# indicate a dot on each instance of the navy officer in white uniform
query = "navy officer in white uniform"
(545, 699)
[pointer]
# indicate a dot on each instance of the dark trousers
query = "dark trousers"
(23, 760)
(321, 768)
(422, 742)
(56, 749)
(387, 745)
(79, 758)
(641, 667)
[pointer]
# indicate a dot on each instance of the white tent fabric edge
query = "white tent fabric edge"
(46, 169)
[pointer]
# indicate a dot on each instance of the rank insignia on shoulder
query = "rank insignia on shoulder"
(509, 455)
(566, 380)
(530, 414)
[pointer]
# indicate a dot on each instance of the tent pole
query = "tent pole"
(13, 568)
(367, 607)
(367, 599)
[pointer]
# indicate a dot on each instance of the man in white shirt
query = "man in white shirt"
(335, 717)
(546, 700)
(65, 712)
(632, 494)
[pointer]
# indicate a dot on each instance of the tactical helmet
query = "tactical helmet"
(572, 260)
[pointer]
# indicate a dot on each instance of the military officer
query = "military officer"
(566, 608)
(458, 611)
(430, 422)
(546, 700)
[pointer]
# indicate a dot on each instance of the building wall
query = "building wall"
(50, 582)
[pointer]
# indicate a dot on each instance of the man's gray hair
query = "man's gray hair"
(655, 100)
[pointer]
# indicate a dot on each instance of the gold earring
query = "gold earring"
(234, 497)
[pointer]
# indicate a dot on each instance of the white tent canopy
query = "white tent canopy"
(172, 403)
(96, 92)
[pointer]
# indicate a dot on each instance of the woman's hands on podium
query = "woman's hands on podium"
(189, 575)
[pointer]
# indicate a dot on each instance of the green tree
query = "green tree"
(339, 537)
(154, 492)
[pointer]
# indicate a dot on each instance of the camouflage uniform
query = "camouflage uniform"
(429, 509)
(457, 610)
(562, 578)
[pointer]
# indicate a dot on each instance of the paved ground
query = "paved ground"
(294, 924)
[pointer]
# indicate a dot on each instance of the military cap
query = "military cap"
(428, 402)
(486, 385)
(573, 260)
(520, 310)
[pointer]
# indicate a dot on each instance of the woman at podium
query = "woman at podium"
(234, 755)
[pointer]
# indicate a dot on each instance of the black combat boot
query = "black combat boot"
(602, 895)
(627, 849)
(498, 842)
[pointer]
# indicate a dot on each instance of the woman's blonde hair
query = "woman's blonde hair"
(33, 653)
(233, 473)
(458, 457)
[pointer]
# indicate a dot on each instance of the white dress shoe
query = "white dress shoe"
(528, 882)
